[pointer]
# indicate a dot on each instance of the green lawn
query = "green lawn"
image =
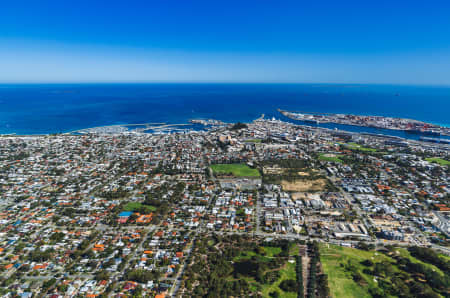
(329, 157)
(339, 280)
(438, 160)
(238, 170)
(269, 252)
(134, 206)
(248, 254)
(356, 146)
(447, 258)
(272, 250)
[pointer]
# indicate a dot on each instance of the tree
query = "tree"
(367, 263)
(364, 246)
(289, 285)
(322, 286)
(102, 275)
(238, 126)
(274, 294)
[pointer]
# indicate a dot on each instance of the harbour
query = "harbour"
(410, 127)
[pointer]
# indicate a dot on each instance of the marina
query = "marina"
(156, 128)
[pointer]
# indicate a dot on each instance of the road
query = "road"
(117, 274)
(443, 223)
(180, 274)
(258, 212)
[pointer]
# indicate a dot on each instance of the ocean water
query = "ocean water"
(42, 109)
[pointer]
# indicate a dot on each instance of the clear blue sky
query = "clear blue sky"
(396, 41)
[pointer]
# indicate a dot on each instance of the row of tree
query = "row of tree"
(314, 249)
(318, 282)
(299, 273)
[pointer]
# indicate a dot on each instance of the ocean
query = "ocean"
(57, 108)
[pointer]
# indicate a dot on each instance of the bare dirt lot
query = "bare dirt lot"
(273, 170)
(304, 185)
(303, 173)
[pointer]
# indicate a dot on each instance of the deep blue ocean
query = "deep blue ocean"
(42, 109)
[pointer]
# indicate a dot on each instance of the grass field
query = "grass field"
(238, 170)
(329, 157)
(249, 254)
(339, 280)
(134, 206)
(438, 160)
(271, 250)
(356, 146)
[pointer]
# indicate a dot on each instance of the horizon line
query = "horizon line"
(217, 82)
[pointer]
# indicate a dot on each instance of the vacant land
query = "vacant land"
(298, 196)
(303, 174)
(295, 176)
(237, 170)
(304, 185)
(329, 157)
(438, 160)
(273, 170)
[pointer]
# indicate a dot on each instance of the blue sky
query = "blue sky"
(394, 42)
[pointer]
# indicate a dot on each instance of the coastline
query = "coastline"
(407, 125)
(163, 127)
(46, 109)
